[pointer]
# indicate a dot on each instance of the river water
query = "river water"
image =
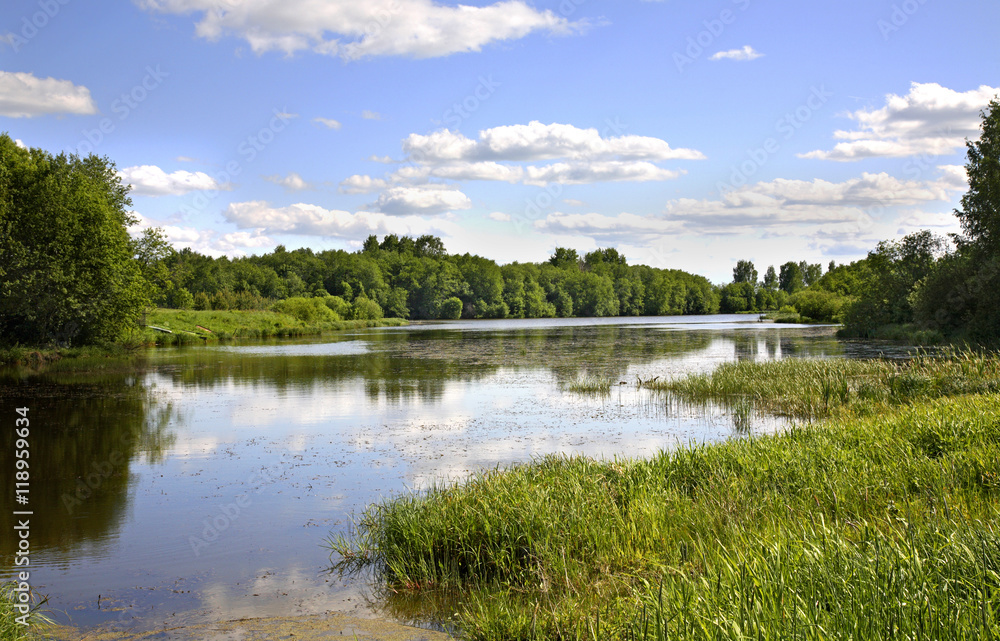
(201, 488)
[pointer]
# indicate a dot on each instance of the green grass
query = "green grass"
(816, 388)
(878, 523)
(192, 327)
(10, 629)
(590, 385)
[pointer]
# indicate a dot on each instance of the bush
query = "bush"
(365, 309)
(338, 305)
(451, 309)
(818, 305)
(307, 310)
(180, 298)
(202, 302)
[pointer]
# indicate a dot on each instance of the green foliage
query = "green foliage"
(307, 310)
(67, 270)
(181, 298)
(790, 277)
(745, 272)
(338, 306)
(451, 309)
(980, 212)
(365, 309)
(738, 297)
(893, 270)
(819, 305)
(202, 301)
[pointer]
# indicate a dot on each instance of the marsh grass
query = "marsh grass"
(10, 629)
(877, 523)
(597, 385)
(811, 388)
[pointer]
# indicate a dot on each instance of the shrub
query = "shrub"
(307, 310)
(451, 309)
(365, 309)
(338, 305)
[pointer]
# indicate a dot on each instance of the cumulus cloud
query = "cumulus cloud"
(423, 199)
(746, 53)
(150, 180)
(313, 220)
(291, 182)
(361, 184)
(929, 120)
(329, 123)
(828, 209)
(500, 216)
(20, 143)
(23, 95)
(352, 30)
(537, 141)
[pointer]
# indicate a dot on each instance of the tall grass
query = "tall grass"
(871, 524)
(10, 629)
(815, 388)
(597, 385)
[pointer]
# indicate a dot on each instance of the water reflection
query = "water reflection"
(84, 441)
(330, 425)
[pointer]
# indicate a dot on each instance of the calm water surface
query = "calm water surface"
(203, 488)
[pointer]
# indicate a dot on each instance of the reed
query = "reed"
(11, 629)
(590, 385)
(867, 525)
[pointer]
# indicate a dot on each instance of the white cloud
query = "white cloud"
(929, 120)
(185, 159)
(23, 95)
(829, 210)
(361, 184)
(312, 220)
(329, 123)
(291, 182)
(746, 53)
(424, 199)
(537, 141)
(20, 143)
(612, 171)
(150, 180)
(499, 215)
(368, 114)
(354, 30)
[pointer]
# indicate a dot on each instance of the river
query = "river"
(201, 488)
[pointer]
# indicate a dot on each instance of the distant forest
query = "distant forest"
(70, 273)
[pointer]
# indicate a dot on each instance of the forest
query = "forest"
(71, 273)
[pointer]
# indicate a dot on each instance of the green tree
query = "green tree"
(451, 309)
(790, 277)
(980, 212)
(564, 258)
(745, 272)
(67, 270)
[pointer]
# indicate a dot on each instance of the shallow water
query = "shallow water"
(202, 488)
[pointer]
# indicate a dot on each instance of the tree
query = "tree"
(770, 279)
(980, 212)
(745, 272)
(67, 270)
(810, 272)
(564, 258)
(790, 277)
(451, 309)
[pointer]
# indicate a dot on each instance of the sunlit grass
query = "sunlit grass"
(878, 523)
(10, 628)
(590, 385)
(808, 388)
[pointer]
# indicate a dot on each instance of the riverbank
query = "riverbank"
(166, 327)
(878, 521)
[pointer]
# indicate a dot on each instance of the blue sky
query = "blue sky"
(687, 135)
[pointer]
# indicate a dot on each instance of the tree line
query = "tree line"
(70, 272)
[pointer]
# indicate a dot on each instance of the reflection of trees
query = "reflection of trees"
(83, 440)
(406, 364)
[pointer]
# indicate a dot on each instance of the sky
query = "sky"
(687, 135)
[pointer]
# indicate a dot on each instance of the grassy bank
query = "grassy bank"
(877, 523)
(188, 327)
